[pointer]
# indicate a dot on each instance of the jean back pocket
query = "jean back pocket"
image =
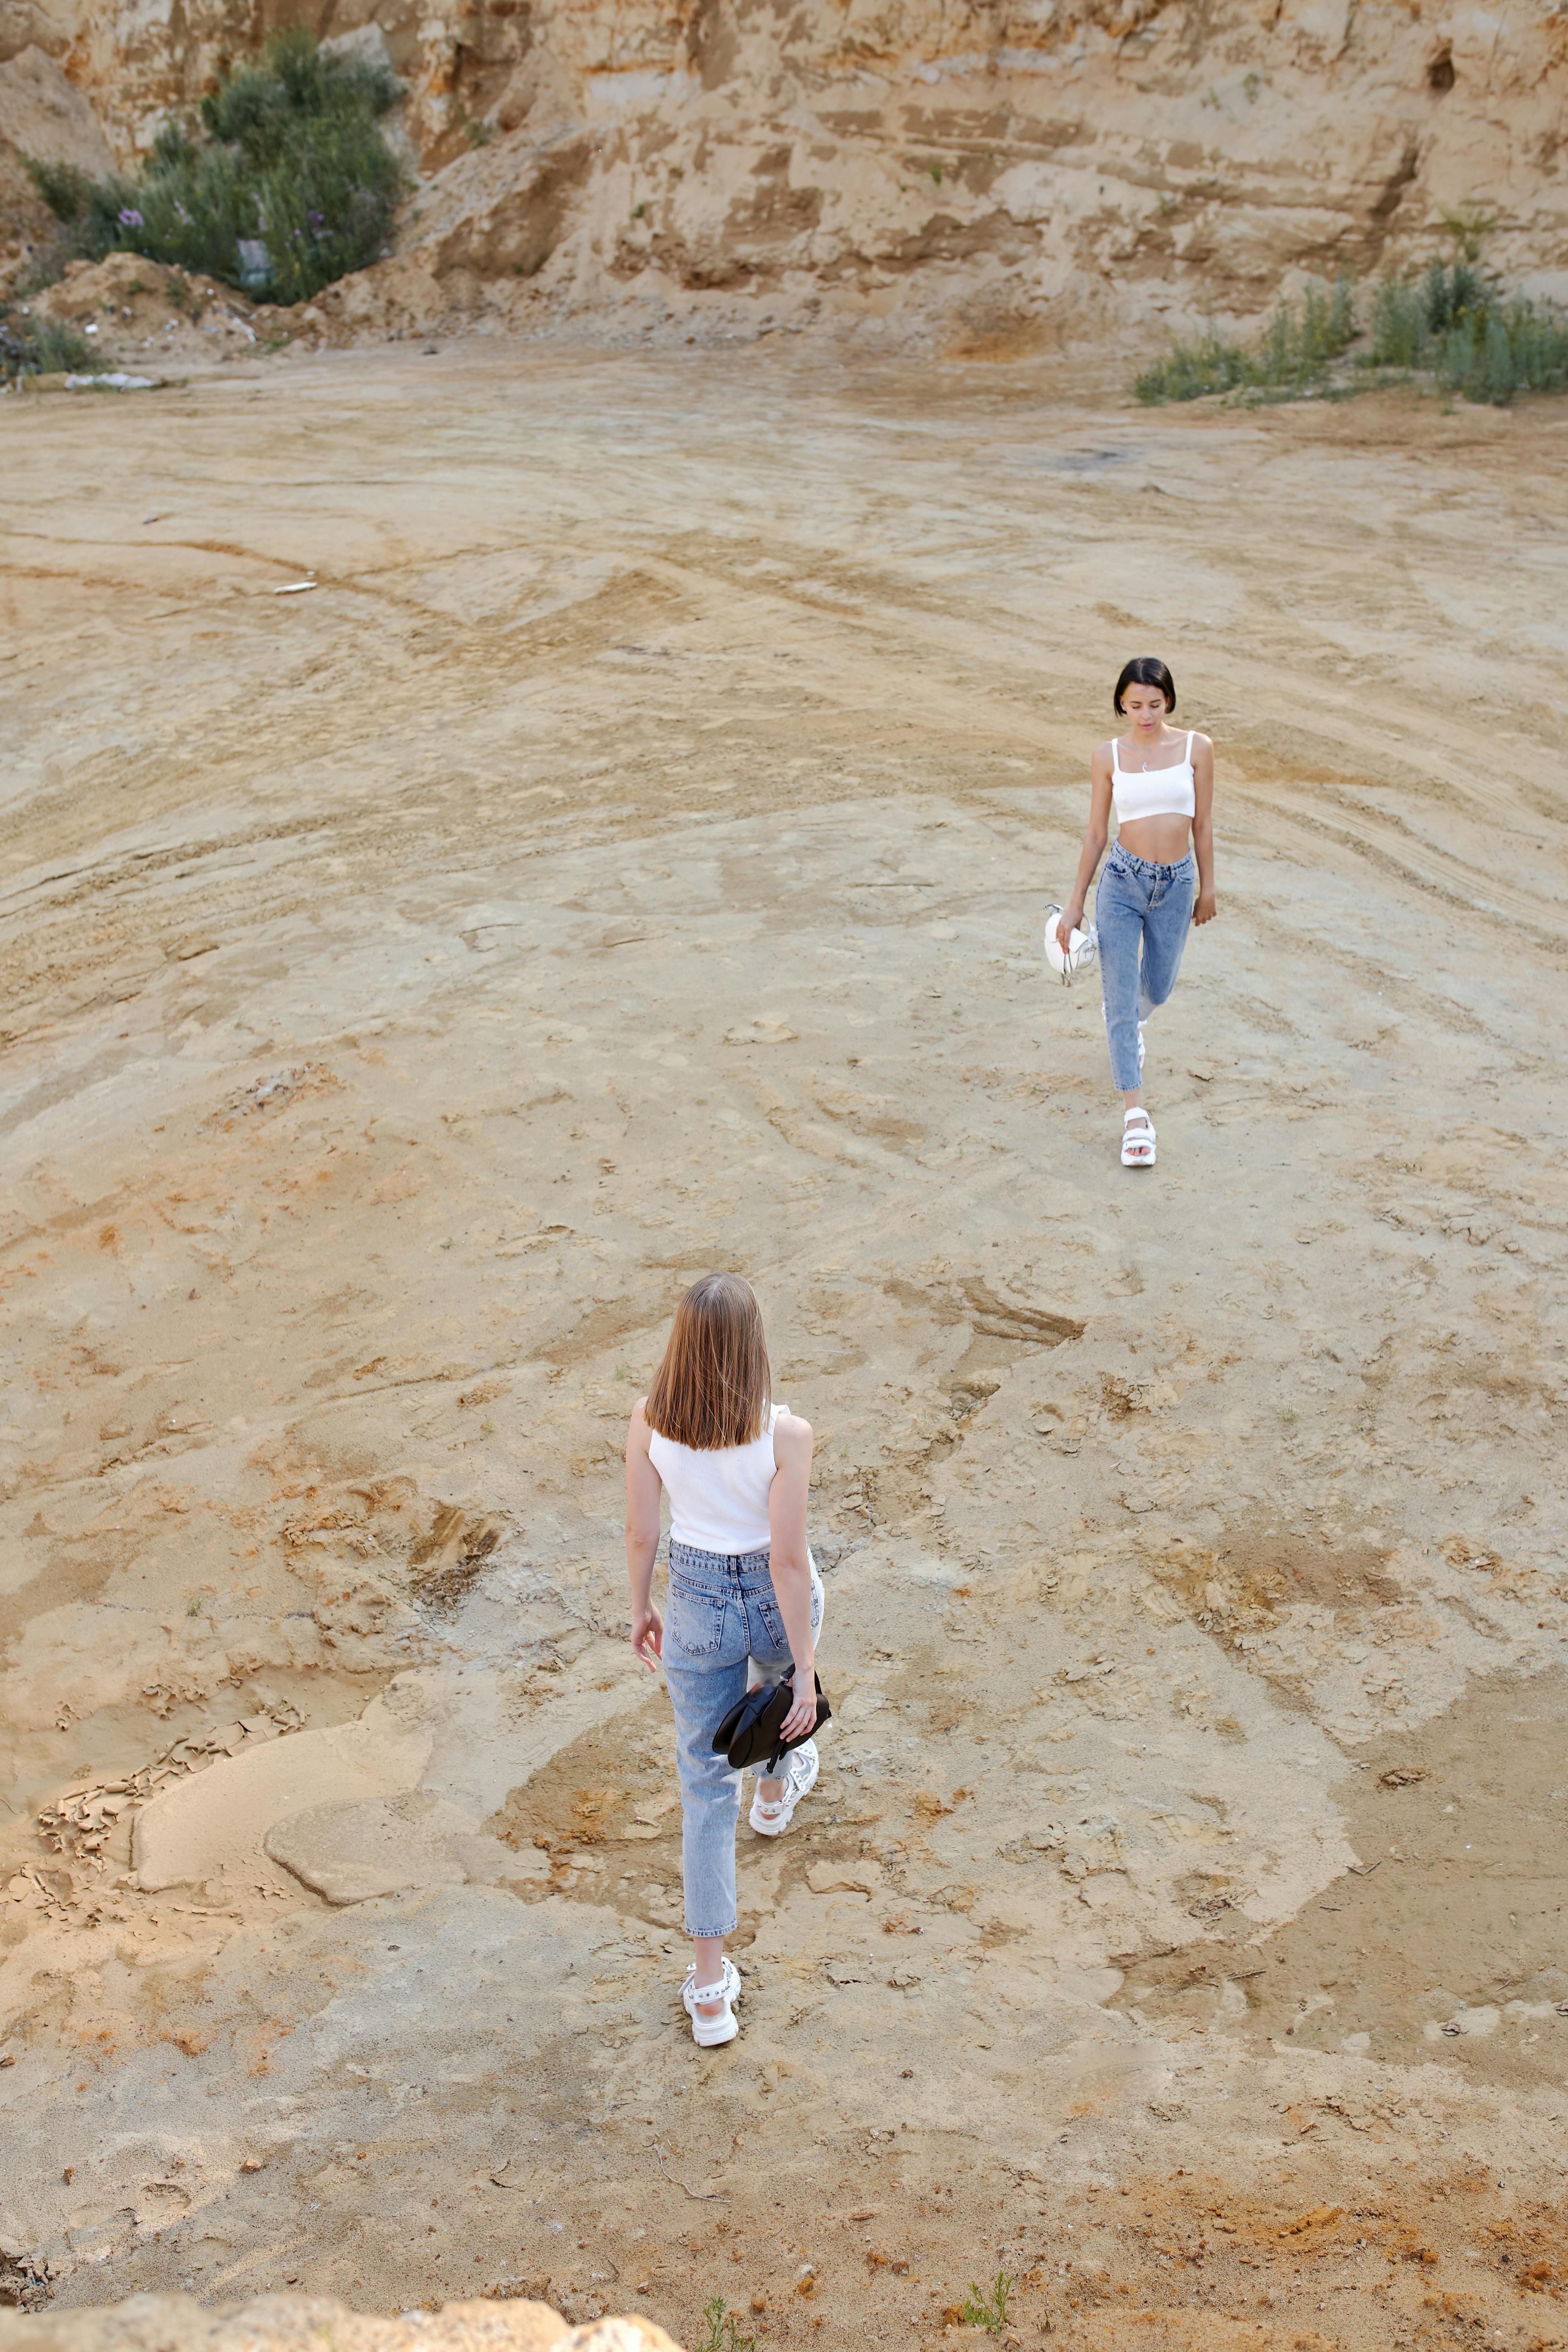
(694, 1620)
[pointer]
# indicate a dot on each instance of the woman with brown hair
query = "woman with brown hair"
(743, 1593)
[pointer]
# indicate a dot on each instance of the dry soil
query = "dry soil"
(489, 834)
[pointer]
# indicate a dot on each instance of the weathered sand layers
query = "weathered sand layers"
(1015, 171)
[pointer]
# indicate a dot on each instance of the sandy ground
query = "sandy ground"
(630, 856)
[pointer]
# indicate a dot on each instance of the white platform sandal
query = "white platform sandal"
(1137, 1142)
(708, 2032)
(799, 1779)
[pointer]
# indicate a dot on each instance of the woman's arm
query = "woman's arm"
(1094, 843)
(789, 1563)
(1204, 910)
(644, 1488)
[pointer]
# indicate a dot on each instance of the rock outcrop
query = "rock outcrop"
(288, 2323)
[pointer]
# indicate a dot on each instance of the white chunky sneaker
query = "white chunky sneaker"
(801, 1769)
(708, 2032)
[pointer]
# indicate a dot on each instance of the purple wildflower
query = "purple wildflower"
(130, 218)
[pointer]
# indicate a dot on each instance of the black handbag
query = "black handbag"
(751, 1730)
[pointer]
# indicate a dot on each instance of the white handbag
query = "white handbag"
(1083, 949)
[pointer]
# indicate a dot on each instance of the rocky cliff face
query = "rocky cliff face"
(42, 114)
(1024, 170)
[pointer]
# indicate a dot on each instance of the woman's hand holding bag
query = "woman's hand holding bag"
(754, 1736)
(800, 1721)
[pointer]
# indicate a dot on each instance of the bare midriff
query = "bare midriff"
(1161, 840)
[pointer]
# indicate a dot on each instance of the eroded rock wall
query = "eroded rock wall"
(1030, 169)
(1022, 172)
(1014, 171)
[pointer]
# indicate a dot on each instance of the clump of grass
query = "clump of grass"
(1454, 321)
(1296, 354)
(1210, 363)
(42, 347)
(988, 2311)
(724, 2330)
(284, 184)
(1451, 320)
(1300, 344)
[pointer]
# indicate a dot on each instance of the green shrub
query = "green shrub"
(1300, 345)
(1450, 320)
(1455, 322)
(64, 187)
(1209, 363)
(1295, 352)
(286, 184)
(1503, 351)
(1399, 336)
(42, 347)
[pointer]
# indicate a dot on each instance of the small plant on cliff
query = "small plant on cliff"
(64, 187)
(283, 185)
(1468, 227)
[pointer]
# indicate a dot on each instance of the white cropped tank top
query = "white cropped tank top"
(1152, 792)
(718, 1495)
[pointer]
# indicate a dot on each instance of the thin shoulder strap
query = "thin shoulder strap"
(1116, 755)
(1189, 747)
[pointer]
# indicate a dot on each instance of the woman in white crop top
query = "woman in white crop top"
(744, 1603)
(1158, 880)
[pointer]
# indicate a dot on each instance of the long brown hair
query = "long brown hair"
(714, 1386)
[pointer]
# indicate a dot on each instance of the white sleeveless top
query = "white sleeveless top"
(718, 1495)
(1152, 792)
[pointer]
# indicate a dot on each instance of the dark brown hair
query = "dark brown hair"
(1144, 669)
(714, 1387)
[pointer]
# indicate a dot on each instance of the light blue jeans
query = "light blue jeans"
(1143, 913)
(722, 1617)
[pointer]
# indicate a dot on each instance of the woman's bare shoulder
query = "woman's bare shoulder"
(639, 1431)
(791, 1431)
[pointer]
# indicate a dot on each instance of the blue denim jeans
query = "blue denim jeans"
(722, 1617)
(1143, 914)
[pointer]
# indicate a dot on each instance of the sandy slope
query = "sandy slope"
(629, 856)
